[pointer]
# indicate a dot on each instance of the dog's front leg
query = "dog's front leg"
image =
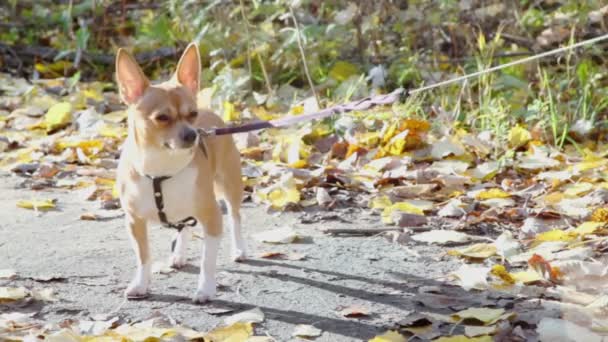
(211, 218)
(138, 233)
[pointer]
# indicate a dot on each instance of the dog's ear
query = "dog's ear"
(188, 70)
(132, 82)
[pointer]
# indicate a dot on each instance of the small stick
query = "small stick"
(301, 47)
(360, 231)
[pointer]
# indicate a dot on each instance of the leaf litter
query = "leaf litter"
(552, 205)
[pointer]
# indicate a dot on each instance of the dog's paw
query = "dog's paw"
(178, 261)
(203, 296)
(136, 291)
(238, 255)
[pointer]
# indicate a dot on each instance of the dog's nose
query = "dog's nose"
(188, 135)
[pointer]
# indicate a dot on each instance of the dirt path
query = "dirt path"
(93, 262)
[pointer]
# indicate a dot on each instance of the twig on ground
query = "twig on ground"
(360, 231)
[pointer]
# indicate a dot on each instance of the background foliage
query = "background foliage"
(251, 56)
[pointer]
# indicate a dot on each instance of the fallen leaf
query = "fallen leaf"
(10, 294)
(389, 336)
(475, 330)
(278, 236)
(239, 331)
(463, 338)
(37, 204)
(354, 312)
(8, 274)
(46, 295)
(306, 331)
(58, 116)
(472, 277)
(446, 146)
(405, 207)
(486, 316)
(491, 193)
(442, 237)
(519, 136)
(476, 251)
(506, 245)
(254, 315)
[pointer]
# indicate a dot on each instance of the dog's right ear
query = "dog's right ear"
(132, 82)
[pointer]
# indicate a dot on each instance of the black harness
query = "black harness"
(157, 187)
(158, 199)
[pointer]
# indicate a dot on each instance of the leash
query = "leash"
(358, 105)
(372, 101)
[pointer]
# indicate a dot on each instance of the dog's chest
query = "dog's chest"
(178, 196)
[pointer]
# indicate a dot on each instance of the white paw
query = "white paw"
(204, 295)
(238, 255)
(136, 290)
(178, 261)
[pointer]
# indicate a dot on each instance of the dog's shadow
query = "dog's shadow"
(404, 296)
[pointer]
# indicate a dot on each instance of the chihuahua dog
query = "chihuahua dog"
(163, 141)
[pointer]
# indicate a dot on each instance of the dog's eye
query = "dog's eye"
(192, 114)
(162, 118)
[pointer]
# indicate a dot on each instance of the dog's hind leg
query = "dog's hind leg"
(179, 247)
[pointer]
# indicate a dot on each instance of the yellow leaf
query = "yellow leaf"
(297, 110)
(52, 70)
(280, 197)
(389, 336)
(492, 193)
(380, 202)
(501, 272)
(575, 190)
(116, 132)
(555, 235)
(238, 332)
(400, 206)
(519, 136)
(463, 338)
(58, 116)
(280, 194)
(21, 156)
(9, 294)
(89, 147)
(588, 227)
(117, 116)
(527, 276)
(115, 191)
(589, 164)
(36, 204)
(553, 198)
(230, 112)
(93, 94)
(476, 251)
(343, 70)
(262, 114)
(484, 315)
(600, 215)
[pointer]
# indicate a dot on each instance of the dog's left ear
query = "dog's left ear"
(188, 71)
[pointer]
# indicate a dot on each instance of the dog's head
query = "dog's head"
(162, 115)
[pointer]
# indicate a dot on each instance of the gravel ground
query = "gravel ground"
(92, 262)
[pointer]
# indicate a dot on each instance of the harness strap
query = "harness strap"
(158, 200)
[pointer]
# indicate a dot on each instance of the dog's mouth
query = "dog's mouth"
(179, 146)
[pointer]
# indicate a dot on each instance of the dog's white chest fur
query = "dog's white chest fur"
(178, 194)
(178, 191)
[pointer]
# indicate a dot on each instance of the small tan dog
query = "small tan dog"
(163, 143)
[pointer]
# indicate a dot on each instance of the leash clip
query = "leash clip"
(204, 133)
